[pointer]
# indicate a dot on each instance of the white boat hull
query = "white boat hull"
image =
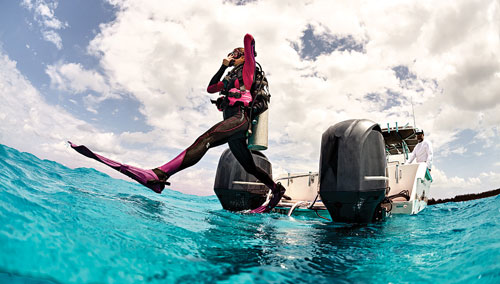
(302, 190)
(413, 178)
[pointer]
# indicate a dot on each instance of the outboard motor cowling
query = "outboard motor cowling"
(352, 170)
(236, 189)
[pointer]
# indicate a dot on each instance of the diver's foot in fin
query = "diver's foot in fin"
(278, 193)
(156, 179)
(162, 177)
(152, 179)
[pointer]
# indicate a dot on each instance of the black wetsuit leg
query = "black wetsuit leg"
(233, 126)
(231, 130)
(240, 150)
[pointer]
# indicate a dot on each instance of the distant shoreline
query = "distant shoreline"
(465, 197)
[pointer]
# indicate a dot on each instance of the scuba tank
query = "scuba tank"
(259, 135)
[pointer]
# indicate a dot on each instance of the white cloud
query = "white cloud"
(446, 151)
(32, 119)
(164, 54)
(28, 4)
(53, 37)
(460, 150)
(73, 78)
(33, 125)
(141, 53)
(43, 14)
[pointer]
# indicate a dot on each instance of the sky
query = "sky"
(128, 79)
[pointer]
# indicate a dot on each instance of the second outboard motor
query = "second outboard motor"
(236, 189)
(352, 171)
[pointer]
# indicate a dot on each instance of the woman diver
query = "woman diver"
(238, 102)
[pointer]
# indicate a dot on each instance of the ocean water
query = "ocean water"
(61, 225)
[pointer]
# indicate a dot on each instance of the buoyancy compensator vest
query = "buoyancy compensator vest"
(257, 98)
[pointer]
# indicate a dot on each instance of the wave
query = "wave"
(62, 225)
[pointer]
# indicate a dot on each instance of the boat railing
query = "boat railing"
(290, 211)
(247, 182)
(290, 177)
(376, 178)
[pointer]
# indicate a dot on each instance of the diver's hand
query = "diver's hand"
(220, 103)
(228, 60)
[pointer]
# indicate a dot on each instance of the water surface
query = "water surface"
(61, 225)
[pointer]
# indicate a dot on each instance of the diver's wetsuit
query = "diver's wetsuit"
(231, 130)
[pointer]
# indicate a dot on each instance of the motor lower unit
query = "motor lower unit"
(235, 188)
(352, 171)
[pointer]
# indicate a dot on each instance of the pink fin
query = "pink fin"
(145, 177)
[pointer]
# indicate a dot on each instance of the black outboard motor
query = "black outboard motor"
(352, 171)
(236, 189)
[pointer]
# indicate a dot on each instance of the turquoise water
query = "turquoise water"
(61, 225)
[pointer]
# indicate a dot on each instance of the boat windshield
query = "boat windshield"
(399, 140)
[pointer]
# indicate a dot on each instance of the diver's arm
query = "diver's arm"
(412, 156)
(249, 65)
(216, 84)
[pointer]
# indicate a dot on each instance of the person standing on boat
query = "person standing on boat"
(241, 98)
(423, 151)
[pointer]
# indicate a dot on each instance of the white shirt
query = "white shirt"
(423, 153)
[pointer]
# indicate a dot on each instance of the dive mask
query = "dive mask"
(236, 53)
